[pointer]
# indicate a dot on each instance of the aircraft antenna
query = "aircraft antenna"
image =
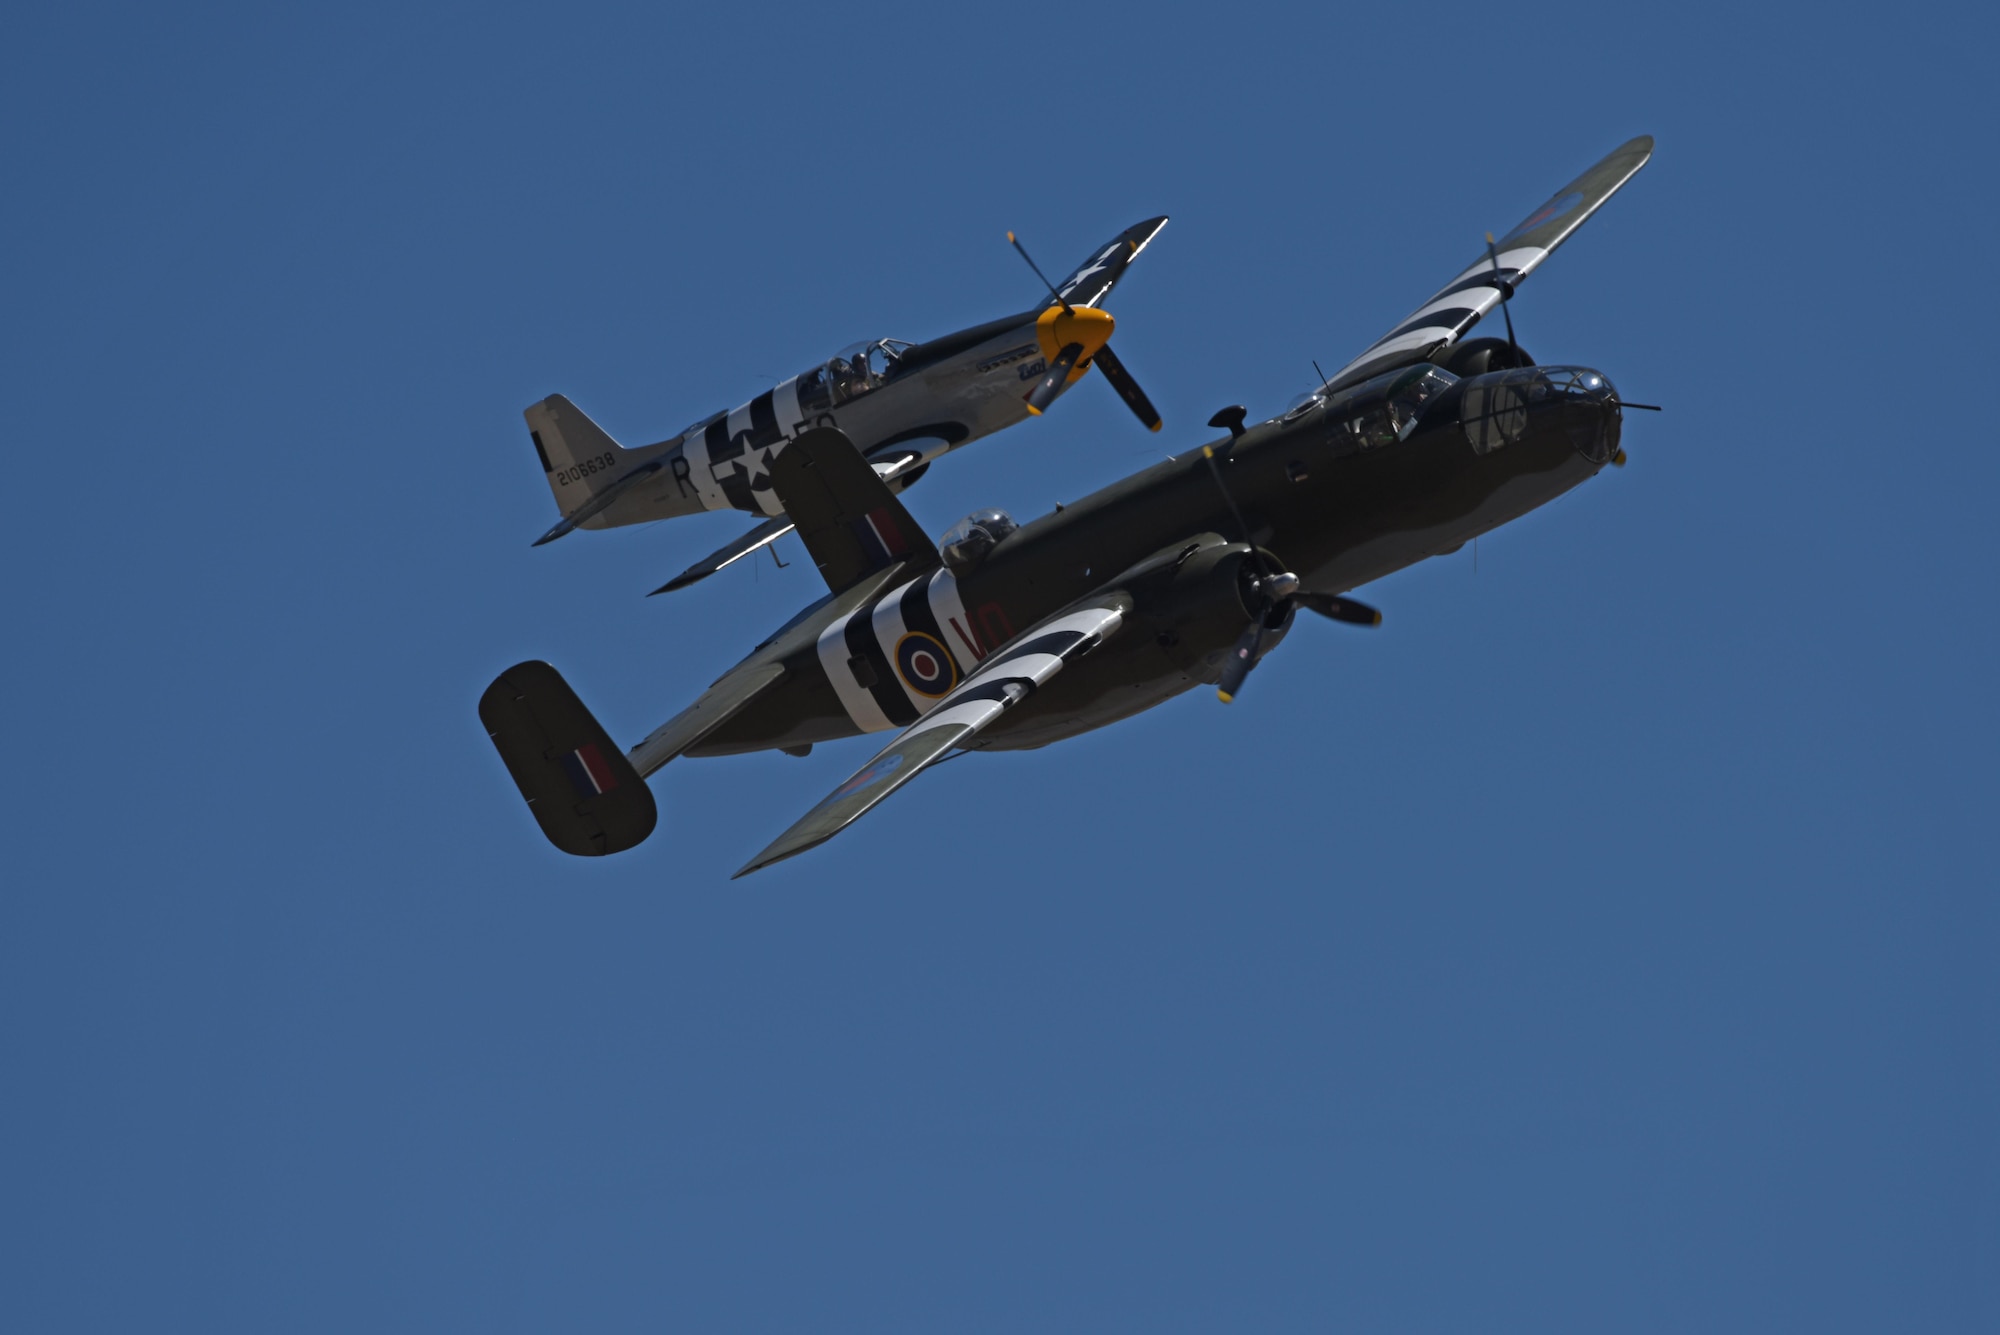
(1321, 374)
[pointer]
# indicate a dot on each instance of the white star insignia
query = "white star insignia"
(755, 464)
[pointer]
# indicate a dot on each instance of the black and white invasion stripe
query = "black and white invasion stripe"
(870, 635)
(729, 461)
(1004, 679)
(1018, 669)
(1446, 317)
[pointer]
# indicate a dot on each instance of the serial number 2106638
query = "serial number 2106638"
(577, 472)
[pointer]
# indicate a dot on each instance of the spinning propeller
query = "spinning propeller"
(1071, 336)
(1276, 592)
(1506, 290)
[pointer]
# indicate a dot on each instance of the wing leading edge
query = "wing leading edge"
(1091, 282)
(1460, 304)
(1004, 680)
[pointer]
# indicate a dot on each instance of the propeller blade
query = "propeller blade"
(1060, 300)
(1045, 390)
(1128, 388)
(1241, 659)
(1337, 608)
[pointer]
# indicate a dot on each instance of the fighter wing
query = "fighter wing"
(1002, 681)
(768, 532)
(756, 540)
(1095, 277)
(1458, 306)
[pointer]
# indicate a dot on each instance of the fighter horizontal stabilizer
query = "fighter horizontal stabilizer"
(1492, 278)
(1003, 680)
(851, 523)
(601, 501)
(584, 793)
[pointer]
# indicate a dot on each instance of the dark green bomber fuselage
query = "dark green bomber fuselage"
(1337, 515)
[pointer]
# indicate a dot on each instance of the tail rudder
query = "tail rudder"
(852, 525)
(578, 456)
(581, 788)
(589, 472)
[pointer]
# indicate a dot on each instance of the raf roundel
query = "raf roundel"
(880, 769)
(1555, 208)
(925, 664)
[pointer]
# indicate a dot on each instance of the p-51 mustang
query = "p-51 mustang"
(902, 404)
(1008, 636)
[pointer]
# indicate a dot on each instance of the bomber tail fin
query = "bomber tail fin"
(852, 525)
(582, 789)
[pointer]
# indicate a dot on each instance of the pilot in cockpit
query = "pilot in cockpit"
(849, 378)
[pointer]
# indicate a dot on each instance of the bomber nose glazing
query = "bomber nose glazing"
(1590, 411)
(1496, 408)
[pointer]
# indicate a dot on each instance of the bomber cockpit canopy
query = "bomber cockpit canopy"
(966, 543)
(1385, 410)
(853, 371)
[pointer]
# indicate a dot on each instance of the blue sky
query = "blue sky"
(1607, 942)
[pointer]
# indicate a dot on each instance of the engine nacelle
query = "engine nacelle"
(1477, 356)
(1198, 607)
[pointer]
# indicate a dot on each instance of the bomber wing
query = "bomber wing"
(1002, 681)
(1460, 304)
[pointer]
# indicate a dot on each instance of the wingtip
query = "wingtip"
(1140, 235)
(680, 581)
(776, 852)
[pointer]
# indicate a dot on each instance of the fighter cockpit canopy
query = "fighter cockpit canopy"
(853, 371)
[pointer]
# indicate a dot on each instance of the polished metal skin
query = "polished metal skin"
(902, 404)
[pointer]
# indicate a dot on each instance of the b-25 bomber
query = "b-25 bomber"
(1006, 636)
(902, 405)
